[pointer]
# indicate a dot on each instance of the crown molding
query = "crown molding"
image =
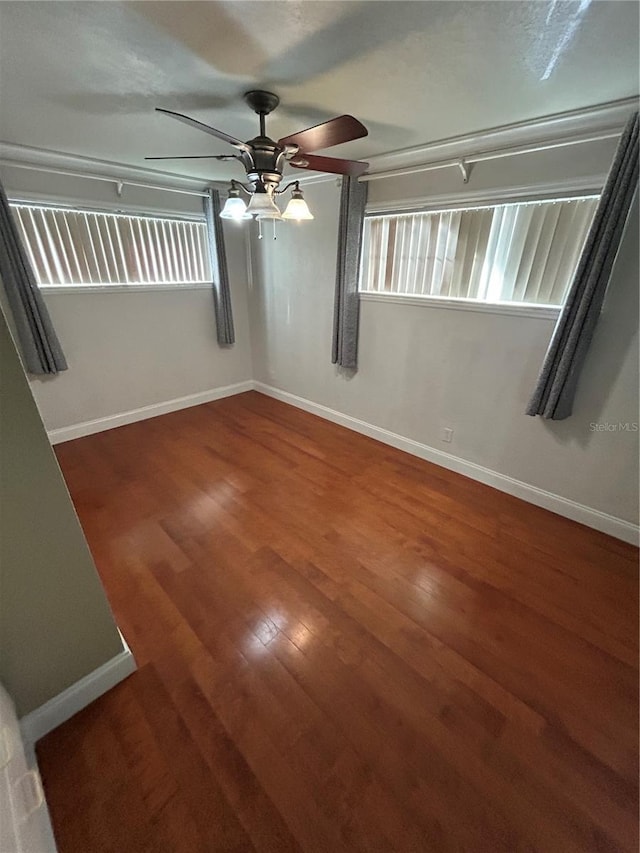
(19, 156)
(606, 117)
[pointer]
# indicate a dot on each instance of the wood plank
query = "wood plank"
(342, 647)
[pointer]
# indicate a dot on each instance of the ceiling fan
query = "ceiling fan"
(264, 159)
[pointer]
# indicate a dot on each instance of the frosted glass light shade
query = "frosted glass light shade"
(297, 209)
(262, 206)
(234, 208)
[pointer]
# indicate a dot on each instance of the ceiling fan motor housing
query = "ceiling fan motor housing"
(265, 163)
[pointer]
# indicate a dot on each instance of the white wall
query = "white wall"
(128, 350)
(423, 368)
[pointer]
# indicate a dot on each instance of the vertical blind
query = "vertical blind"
(524, 252)
(69, 247)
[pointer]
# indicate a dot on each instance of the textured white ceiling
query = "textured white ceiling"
(84, 77)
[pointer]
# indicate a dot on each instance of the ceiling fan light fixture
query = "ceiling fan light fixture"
(297, 208)
(262, 206)
(234, 207)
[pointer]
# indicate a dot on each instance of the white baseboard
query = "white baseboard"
(56, 436)
(63, 706)
(617, 527)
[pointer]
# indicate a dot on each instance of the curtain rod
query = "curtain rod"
(119, 182)
(463, 163)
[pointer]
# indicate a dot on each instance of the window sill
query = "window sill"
(517, 309)
(121, 288)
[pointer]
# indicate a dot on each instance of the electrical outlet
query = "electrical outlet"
(446, 434)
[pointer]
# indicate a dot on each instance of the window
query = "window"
(76, 247)
(524, 253)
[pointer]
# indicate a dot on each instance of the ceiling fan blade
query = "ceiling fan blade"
(197, 157)
(212, 131)
(334, 165)
(333, 132)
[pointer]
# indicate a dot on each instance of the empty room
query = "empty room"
(319, 426)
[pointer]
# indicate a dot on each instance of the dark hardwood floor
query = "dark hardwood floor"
(342, 648)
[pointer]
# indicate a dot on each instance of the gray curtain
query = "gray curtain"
(221, 291)
(346, 309)
(558, 380)
(39, 343)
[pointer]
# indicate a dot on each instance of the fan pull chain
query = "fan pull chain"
(274, 229)
(259, 229)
